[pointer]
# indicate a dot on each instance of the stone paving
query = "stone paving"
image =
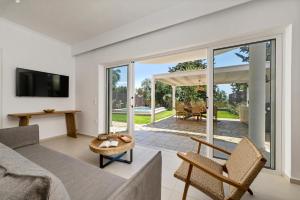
(165, 140)
(174, 134)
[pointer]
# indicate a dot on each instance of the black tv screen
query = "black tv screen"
(31, 83)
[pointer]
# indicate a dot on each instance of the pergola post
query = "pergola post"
(152, 99)
(173, 97)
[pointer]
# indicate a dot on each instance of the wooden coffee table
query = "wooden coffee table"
(113, 153)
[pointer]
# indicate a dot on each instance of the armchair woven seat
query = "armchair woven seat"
(201, 180)
(241, 168)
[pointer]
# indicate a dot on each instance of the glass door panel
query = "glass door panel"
(244, 97)
(117, 99)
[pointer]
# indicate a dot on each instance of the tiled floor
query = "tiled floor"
(165, 140)
(266, 187)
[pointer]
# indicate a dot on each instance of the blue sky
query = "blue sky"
(143, 71)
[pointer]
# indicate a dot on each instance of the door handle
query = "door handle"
(132, 102)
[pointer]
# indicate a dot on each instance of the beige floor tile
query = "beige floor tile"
(165, 193)
(176, 195)
(168, 180)
(266, 186)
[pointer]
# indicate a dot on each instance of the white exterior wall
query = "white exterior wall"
(27, 49)
(266, 17)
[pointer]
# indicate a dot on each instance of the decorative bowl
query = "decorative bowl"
(49, 110)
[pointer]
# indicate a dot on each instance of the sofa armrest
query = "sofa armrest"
(146, 184)
(20, 136)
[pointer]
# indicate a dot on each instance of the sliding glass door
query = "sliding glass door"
(117, 98)
(120, 100)
(244, 97)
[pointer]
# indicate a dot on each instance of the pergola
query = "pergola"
(222, 75)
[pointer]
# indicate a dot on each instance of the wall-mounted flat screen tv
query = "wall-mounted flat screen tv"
(31, 83)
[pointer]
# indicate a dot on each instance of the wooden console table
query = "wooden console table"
(69, 115)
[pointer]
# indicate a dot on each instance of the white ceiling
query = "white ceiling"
(73, 21)
(77, 21)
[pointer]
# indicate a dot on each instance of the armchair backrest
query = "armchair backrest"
(243, 165)
(179, 107)
(198, 107)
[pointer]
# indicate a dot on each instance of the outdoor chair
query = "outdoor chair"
(198, 108)
(241, 168)
(180, 110)
(215, 113)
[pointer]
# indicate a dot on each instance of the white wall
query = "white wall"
(295, 78)
(27, 49)
(247, 19)
(287, 60)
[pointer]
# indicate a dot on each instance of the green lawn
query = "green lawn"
(139, 119)
(226, 115)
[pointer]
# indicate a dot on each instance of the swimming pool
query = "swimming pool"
(140, 110)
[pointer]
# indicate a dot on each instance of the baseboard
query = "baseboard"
(292, 180)
(50, 138)
(63, 135)
(91, 136)
(295, 181)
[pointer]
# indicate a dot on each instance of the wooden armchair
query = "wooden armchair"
(242, 166)
(180, 110)
(198, 108)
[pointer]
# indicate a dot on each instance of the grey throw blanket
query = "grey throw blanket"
(21, 176)
(23, 187)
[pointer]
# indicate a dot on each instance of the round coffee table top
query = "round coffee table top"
(122, 146)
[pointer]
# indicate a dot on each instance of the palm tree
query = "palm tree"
(115, 77)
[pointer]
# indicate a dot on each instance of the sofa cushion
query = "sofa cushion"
(19, 172)
(82, 180)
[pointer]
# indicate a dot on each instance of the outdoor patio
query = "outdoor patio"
(174, 134)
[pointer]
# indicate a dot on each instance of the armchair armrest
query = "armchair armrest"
(222, 178)
(210, 145)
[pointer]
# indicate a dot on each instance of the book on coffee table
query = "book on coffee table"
(125, 138)
(107, 144)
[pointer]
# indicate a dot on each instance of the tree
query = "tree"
(244, 52)
(119, 97)
(145, 91)
(188, 66)
(162, 93)
(220, 97)
(163, 90)
(115, 76)
(189, 93)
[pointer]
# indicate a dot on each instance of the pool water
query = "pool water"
(144, 110)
